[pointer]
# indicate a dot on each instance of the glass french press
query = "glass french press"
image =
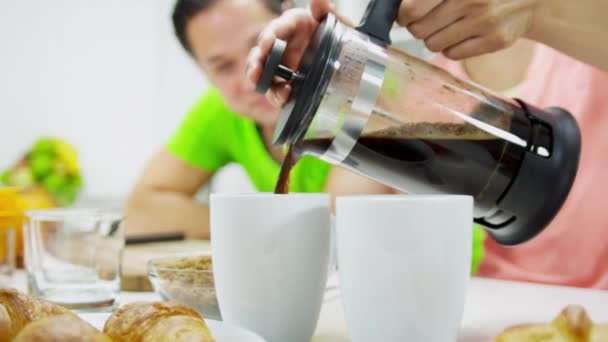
(359, 103)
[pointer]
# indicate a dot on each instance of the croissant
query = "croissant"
(158, 322)
(572, 325)
(18, 309)
(64, 328)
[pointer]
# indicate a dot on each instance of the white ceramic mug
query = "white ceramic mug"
(404, 265)
(270, 261)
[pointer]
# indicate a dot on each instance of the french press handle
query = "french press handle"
(379, 18)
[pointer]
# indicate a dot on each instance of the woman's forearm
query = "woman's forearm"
(577, 28)
(157, 211)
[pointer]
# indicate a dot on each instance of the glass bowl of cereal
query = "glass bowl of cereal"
(186, 279)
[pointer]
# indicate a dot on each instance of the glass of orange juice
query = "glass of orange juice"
(11, 219)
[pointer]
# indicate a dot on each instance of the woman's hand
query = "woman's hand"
(296, 26)
(458, 28)
(466, 28)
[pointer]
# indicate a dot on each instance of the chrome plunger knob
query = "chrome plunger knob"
(273, 68)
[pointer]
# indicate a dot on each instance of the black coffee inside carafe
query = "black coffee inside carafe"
(430, 158)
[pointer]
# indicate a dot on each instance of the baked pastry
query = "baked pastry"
(158, 322)
(572, 325)
(18, 310)
(64, 328)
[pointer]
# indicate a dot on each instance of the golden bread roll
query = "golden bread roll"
(157, 322)
(18, 310)
(572, 325)
(64, 328)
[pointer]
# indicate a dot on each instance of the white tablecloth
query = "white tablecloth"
(491, 306)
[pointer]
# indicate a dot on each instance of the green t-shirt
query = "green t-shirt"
(212, 136)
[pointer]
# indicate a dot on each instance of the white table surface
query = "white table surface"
(491, 306)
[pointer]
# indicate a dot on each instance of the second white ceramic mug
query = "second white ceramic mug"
(404, 265)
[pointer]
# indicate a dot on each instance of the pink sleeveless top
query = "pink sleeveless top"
(573, 249)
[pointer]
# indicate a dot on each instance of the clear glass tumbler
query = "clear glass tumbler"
(72, 257)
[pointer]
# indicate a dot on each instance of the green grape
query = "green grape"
(65, 199)
(22, 178)
(54, 183)
(62, 201)
(68, 155)
(74, 182)
(41, 164)
(44, 145)
(6, 177)
(72, 195)
(59, 167)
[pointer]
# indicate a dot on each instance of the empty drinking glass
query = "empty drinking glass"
(72, 257)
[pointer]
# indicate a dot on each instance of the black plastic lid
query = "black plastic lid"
(308, 86)
(272, 67)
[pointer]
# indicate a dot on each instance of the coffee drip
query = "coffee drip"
(282, 187)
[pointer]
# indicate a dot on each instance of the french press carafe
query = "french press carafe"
(361, 104)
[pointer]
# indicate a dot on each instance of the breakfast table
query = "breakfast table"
(491, 306)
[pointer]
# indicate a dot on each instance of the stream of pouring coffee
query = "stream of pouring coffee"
(282, 187)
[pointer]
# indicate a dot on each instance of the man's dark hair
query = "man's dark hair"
(185, 10)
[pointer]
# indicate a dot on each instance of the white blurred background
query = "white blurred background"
(108, 76)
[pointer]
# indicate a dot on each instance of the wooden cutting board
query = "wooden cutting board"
(134, 273)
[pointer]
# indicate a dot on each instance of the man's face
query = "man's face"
(221, 38)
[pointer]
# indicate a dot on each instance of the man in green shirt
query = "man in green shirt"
(218, 34)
